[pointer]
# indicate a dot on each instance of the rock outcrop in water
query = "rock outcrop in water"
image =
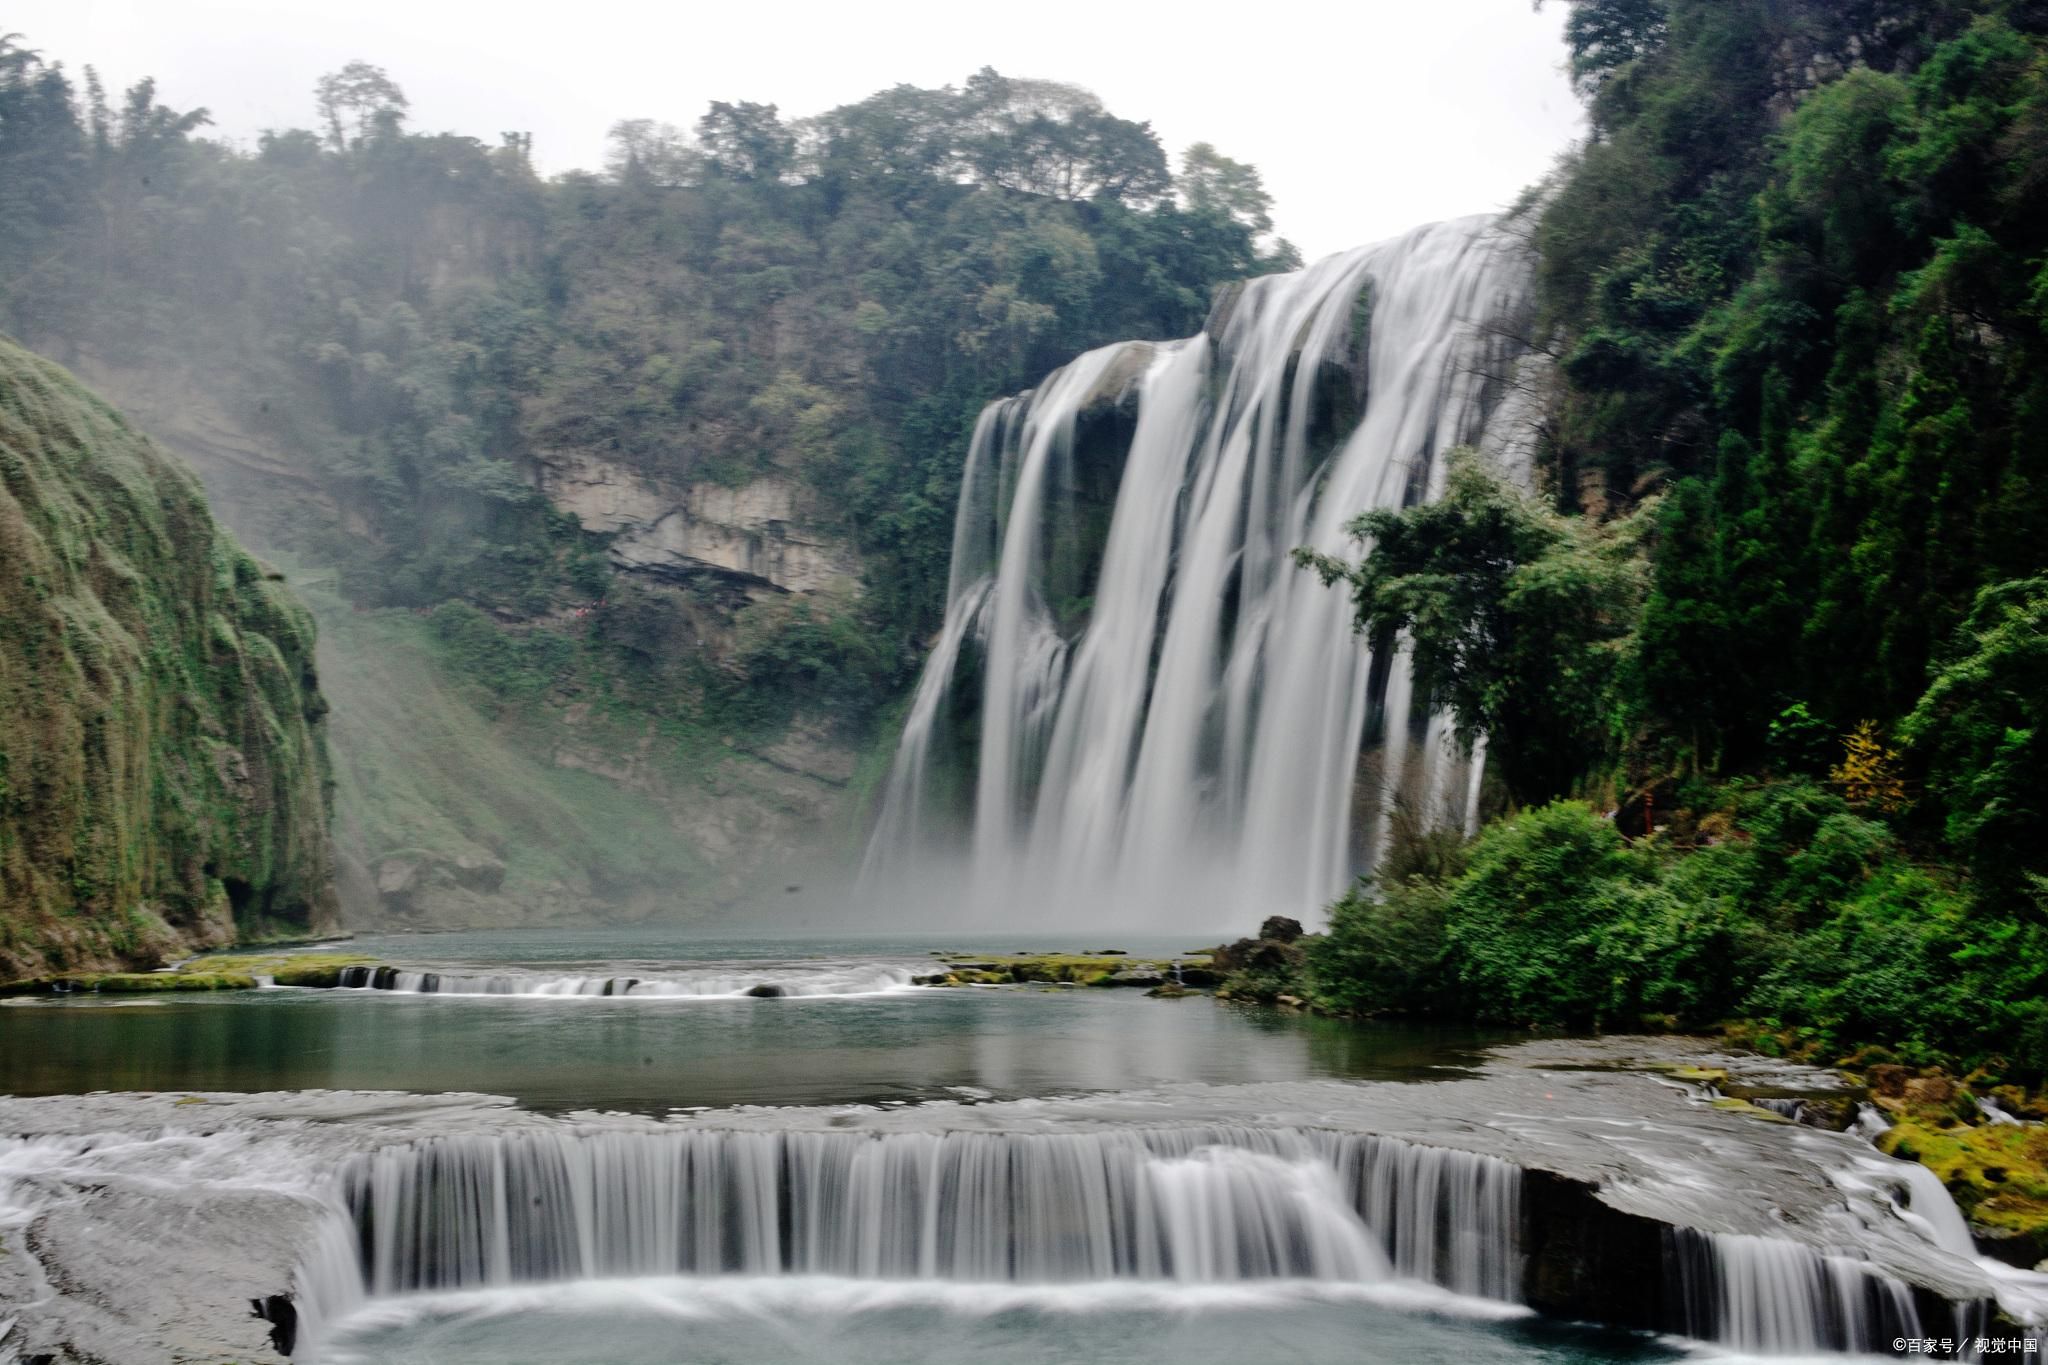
(162, 765)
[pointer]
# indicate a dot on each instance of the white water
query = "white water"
(1775, 1297)
(1272, 1191)
(709, 983)
(1189, 1206)
(1191, 757)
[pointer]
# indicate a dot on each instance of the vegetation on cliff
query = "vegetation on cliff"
(1766, 681)
(162, 766)
(683, 432)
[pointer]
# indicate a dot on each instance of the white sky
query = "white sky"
(1365, 117)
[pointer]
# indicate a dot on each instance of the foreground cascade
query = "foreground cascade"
(1138, 704)
(162, 767)
(1186, 1205)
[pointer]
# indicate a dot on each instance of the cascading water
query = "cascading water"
(1777, 1297)
(1152, 715)
(1183, 1205)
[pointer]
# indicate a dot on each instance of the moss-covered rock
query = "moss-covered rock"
(1997, 1172)
(162, 770)
(131, 983)
(284, 969)
(1107, 968)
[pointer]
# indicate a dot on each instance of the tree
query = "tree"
(1606, 35)
(1044, 137)
(1868, 774)
(1517, 618)
(1983, 728)
(645, 152)
(905, 136)
(361, 94)
(1211, 183)
(746, 141)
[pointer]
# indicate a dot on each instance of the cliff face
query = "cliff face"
(464, 798)
(162, 765)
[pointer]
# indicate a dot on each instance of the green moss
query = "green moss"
(1082, 969)
(442, 772)
(311, 973)
(1708, 1075)
(300, 969)
(1997, 1172)
(1731, 1105)
(160, 740)
(131, 983)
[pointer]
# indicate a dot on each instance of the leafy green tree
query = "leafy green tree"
(1983, 726)
(1517, 618)
(1211, 183)
(355, 101)
(1043, 137)
(746, 141)
(644, 151)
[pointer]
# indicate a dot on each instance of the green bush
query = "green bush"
(1525, 923)
(1384, 953)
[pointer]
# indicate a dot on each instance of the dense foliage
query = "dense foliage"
(420, 320)
(162, 760)
(1789, 608)
(1516, 617)
(1793, 912)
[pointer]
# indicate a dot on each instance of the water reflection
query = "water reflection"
(651, 1056)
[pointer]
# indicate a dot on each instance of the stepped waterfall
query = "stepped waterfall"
(1139, 710)
(1184, 1205)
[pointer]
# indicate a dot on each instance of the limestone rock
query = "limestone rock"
(762, 530)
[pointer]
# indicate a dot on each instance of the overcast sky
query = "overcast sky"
(1365, 117)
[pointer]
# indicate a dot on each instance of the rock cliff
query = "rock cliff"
(163, 769)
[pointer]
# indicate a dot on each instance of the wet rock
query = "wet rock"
(767, 990)
(1261, 955)
(283, 1316)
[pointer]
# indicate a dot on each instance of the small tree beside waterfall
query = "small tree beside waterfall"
(1519, 621)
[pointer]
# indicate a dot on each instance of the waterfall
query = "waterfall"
(1138, 709)
(1183, 1205)
(1776, 1297)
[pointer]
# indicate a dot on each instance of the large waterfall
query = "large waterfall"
(1138, 710)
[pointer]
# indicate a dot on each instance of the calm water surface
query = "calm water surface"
(656, 1054)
